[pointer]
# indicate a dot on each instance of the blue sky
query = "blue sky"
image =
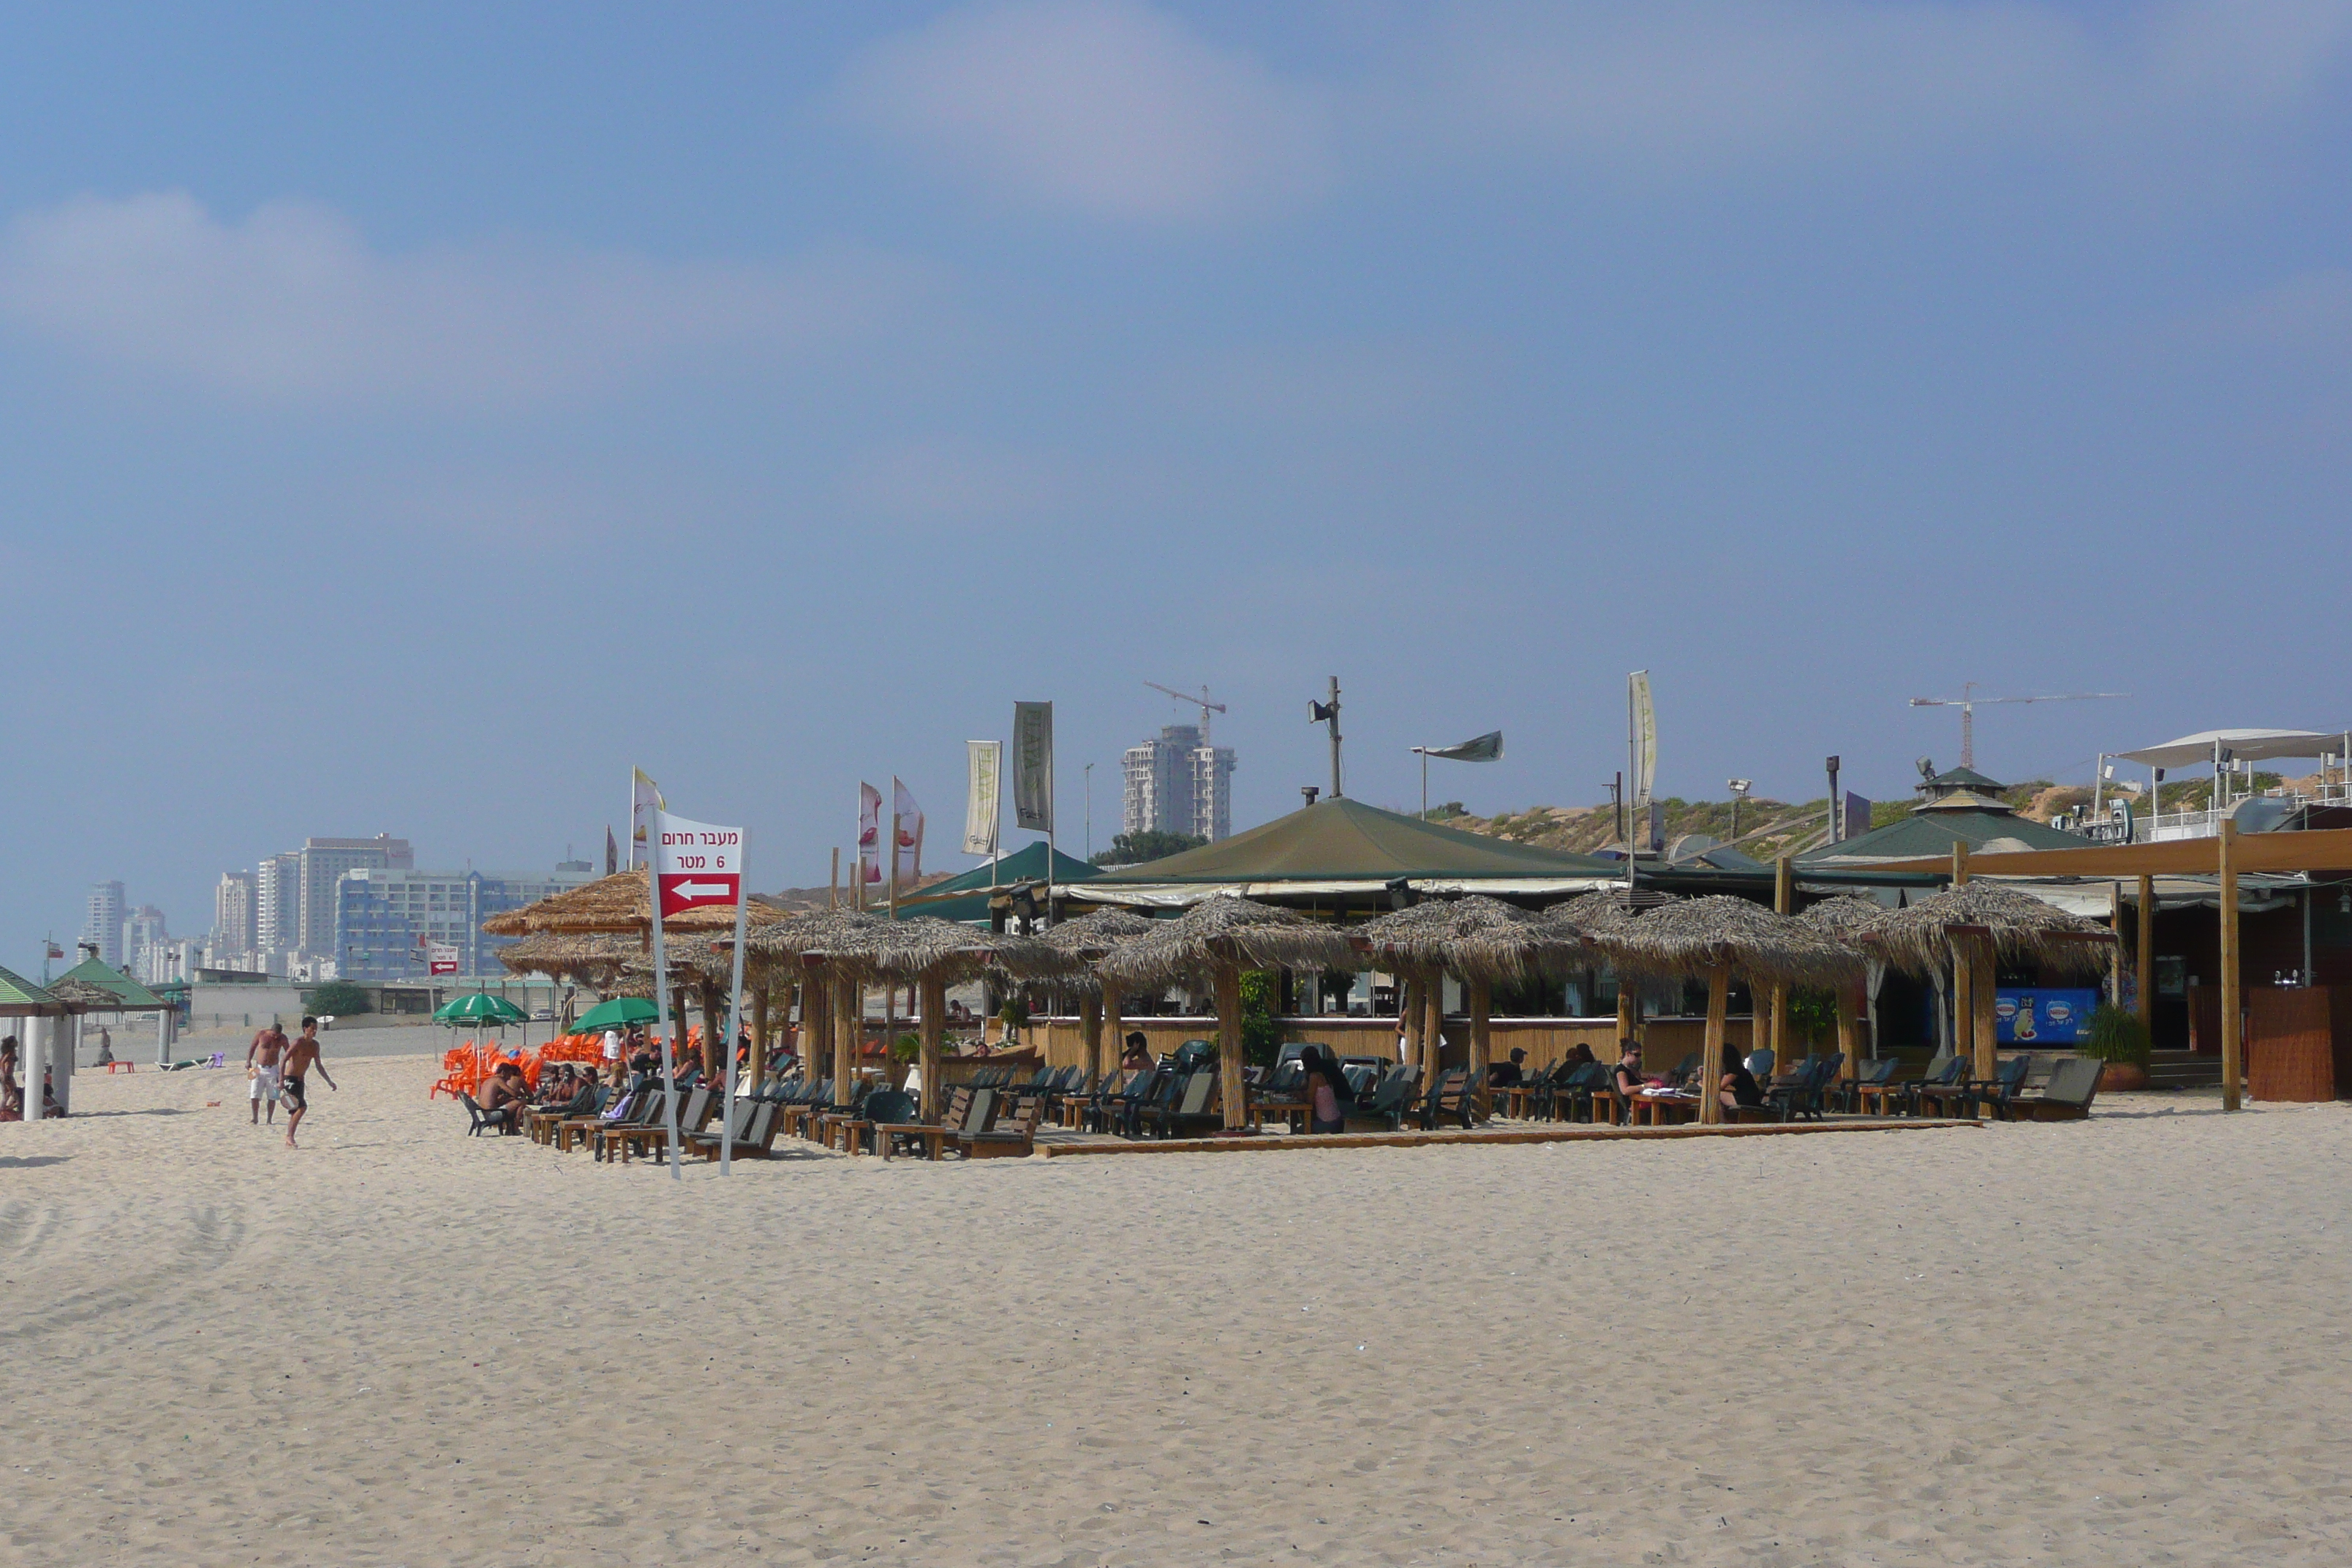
(412, 416)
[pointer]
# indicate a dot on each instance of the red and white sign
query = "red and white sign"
(696, 865)
(441, 958)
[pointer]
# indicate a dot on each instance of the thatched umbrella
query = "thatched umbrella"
(618, 905)
(1972, 927)
(1839, 918)
(1716, 937)
(1219, 937)
(1585, 916)
(1086, 938)
(592, 961)
(1480, 940)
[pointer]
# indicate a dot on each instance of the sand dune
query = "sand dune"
(2115, 1344)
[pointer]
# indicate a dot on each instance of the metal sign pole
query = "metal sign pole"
(661, 997)
(735, 1008)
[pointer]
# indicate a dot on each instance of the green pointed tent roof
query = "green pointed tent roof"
(133, 996)
(1966, 778)
(964, 897)
(1346, 840)
(20, 999)
(1929, 833)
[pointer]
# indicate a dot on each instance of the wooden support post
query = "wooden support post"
(718, 1054)
(1848, 1046)
(759, 1035)
(1114, 1001)
(815, 1039)
(1784, 902)
(1960, 862)
(1090, 1016)
(1988, 1043)
(1435, 1033)
(1628, 1026)
(1231, 1093)
(2232, 1077)
(932, 1027)
(1964, 1002)
(1481, 1042)
(849, 1023)
(2147, 939)
(1408, 1004)
(1711, 1064)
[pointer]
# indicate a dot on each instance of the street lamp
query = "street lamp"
(1739, 788)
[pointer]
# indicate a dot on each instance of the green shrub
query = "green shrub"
(1261, 1024)
(335, 999)
(2116, 1034)
(1812, 1013)
(906, 1048)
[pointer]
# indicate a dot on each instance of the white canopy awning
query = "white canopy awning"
(2246, 745)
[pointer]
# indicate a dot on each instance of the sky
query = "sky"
(412, 418)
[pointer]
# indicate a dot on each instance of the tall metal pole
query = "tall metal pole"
(1335, 738)
(735, 1009)
(661, 1002)
(2231, 1043)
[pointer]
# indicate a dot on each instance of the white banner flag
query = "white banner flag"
(985, 806)
(869, 834)
(1645, 717)
(1033, 766)
(644, 801)
(908, 819)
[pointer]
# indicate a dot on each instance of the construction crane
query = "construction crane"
(1201, 703)
(1968, 701)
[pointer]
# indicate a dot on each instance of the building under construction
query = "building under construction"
(1178, 784)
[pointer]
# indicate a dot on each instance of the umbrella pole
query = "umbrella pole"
(849, 1018)
(1710, 1075)
(1434, 992)
(1408, 1005)
(934, 1023)
(1231, 1091)
(1113, 1000)
(1988, 1042)
(1481, 1045)
(1847, 1044)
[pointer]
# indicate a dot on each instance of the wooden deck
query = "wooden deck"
(1066, 1147)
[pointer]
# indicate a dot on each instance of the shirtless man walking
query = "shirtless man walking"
(301, 1058)
(264, 1061)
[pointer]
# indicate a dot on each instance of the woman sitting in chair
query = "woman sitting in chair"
(1739, 1087)
(1327, 1091)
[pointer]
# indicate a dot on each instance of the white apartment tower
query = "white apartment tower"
(323, 862)
(278, 905)
(1178, 784)
(235, 924)
(101, 927)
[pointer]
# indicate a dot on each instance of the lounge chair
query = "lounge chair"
(707, 1143)
(1188, 1104)
(1808, 1095)
(500, 1120)
(1941, 1070)
(969, 1109)
(1014, 1135)
(1388, 1103)
(891, 1107)
(2006, 1084)
(628, 1141)
(1451, 1097)
(759, 1136)
(1868, 1078)
(2074, 1084)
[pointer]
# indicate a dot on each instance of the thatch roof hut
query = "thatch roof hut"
(79, 995)
(1716, 937)
(617, 905)
(1481, 941)
(1219, 937)
(1084, 940)
(1841, 919)
(1920, 940)
(588, 959)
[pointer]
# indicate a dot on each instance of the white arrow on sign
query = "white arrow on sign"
(698, 889)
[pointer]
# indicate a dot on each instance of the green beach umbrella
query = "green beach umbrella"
(480, 1008)
(617, 1014)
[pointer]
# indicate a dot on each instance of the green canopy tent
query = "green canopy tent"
(482, 1008)
(128, 996)
(20, 999)
(965, 897)
(615, 1013)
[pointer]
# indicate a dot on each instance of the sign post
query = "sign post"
(440, 958)
(695, 865)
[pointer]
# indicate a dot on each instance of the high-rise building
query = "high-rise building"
(1178, 784)
(235, 927)
(277, 908)
(143, 942)
(385, 919)
(323, 863)
(101, 927)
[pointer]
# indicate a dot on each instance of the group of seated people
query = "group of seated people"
(12, 1091)
(1737, 1085)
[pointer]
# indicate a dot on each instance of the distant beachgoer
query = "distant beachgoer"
(105, 1045)
(1327, 1091)
(264, 1066)
(12, 1093)
(1629, 1077)
(1509, 1074)
(612, 1051)
(1580, 1054)
(1138, 1053)
(1739, 1087)
(301, 1058)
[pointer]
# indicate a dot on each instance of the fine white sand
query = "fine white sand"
(2123, 1343)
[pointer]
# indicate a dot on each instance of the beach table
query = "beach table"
(1667, 1109)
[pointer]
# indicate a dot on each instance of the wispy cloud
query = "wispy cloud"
(293, 303)
(1113, 108)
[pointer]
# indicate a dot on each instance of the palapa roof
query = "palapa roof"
(590, 959)
(1101, 931)
(616, 905)
(1603, 908)
(1346, 840)
(865, 946)
(1843, 916)
(1691, 936)
(117, 990)
(1476, 938)
(2022, 927)
(1226, 933)
(79, 995)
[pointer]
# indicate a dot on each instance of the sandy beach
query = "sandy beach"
(2114, 1343)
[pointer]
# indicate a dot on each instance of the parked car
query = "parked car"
(543, 1016)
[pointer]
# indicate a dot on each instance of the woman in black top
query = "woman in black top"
(1739, 1087)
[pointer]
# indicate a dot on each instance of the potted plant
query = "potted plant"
(2118, 1038)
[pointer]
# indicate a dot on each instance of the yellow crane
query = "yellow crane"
(1201, 703)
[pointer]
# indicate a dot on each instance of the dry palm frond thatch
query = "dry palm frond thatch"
(2023, 928)
(1692, 936)
(1077, 944)
(590, 961)
(80, 996)
(1226, 934)
(1603, 908)
(875, 949)
(616, 905)
(1840, 916)
(1474, 937)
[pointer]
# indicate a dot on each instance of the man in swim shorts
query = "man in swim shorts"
(264, 1063)
(301, 1058)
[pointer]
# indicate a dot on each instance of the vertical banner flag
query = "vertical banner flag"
(612, 853)
(1646, 737)
(696, 865)
(1033, 766)
(909, 818)
(869, 834)
(985, 806)
(441, 958)
(645, 800)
